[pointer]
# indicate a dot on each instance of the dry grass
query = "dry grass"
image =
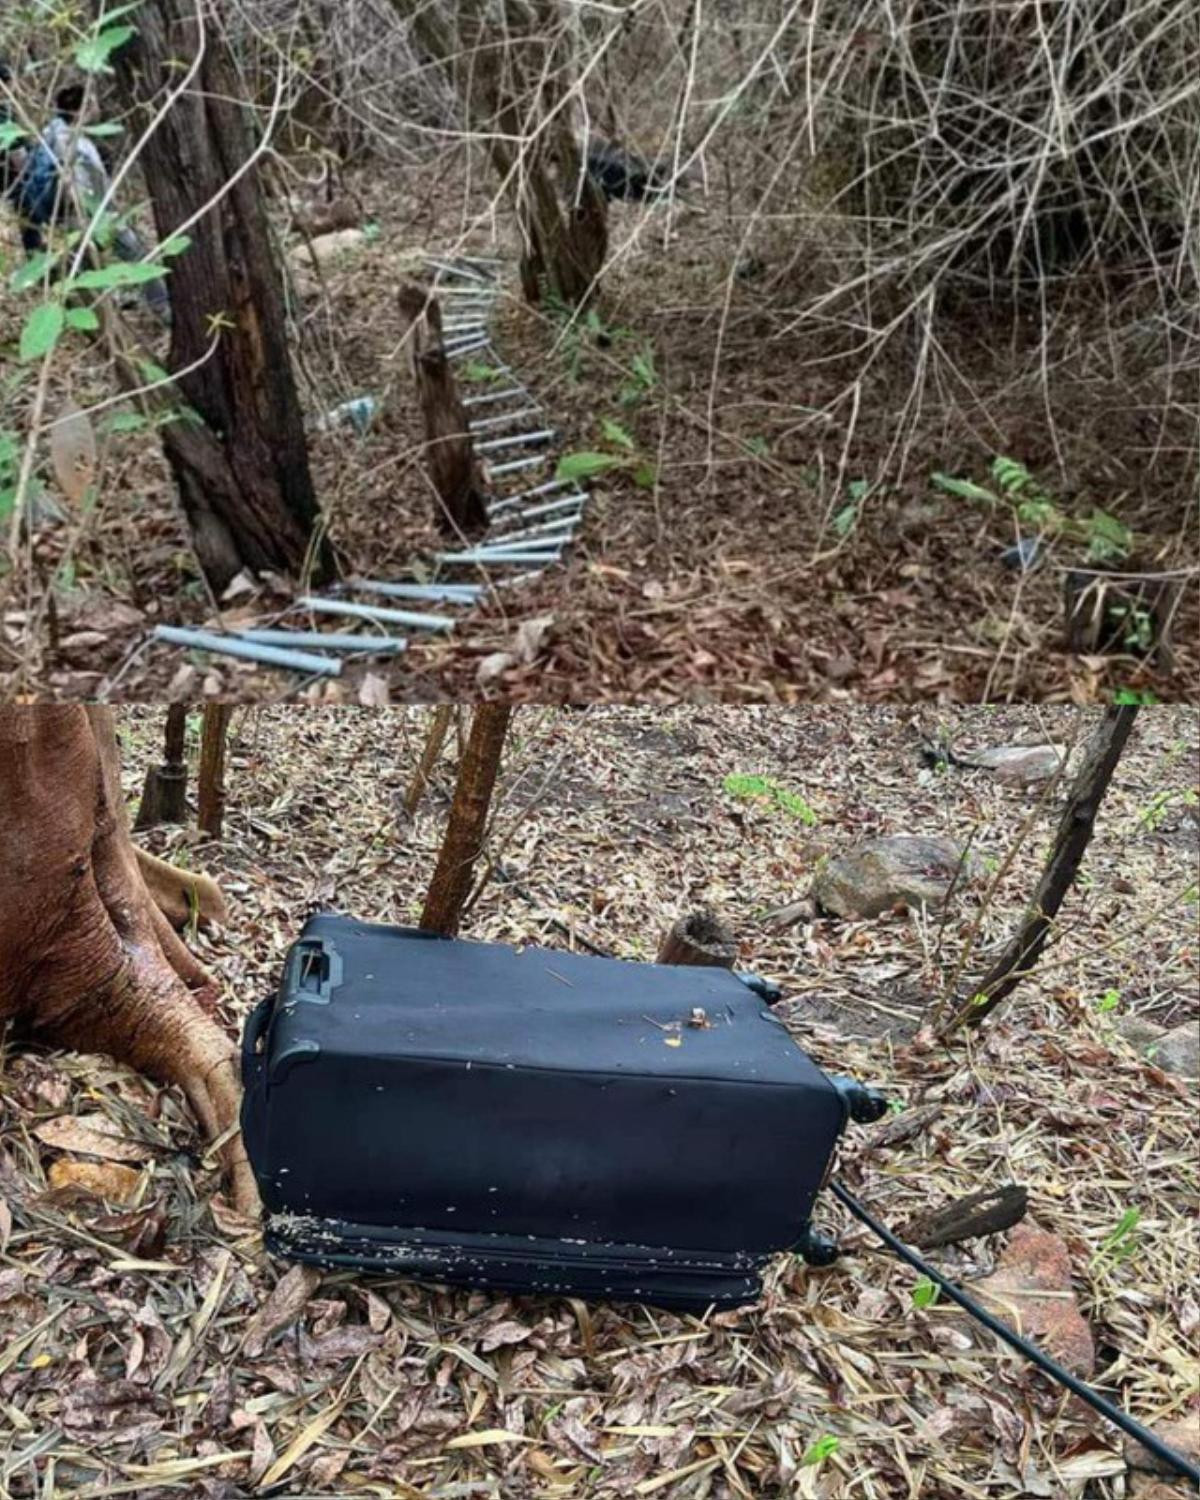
(153, 1351)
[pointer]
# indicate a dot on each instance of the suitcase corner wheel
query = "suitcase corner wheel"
(816, 1248)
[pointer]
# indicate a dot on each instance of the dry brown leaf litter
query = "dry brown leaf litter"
(149, 1349)
(723, 582)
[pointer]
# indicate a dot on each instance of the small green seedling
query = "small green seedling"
(1108, 1001)
(824, 1447)
(1122, 1242)
(768, 790)
(926, 1292)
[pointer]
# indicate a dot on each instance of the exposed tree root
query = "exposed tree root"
(87, 960)
(178, 892)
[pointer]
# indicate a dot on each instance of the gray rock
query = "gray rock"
(1139, 1031)
(1178, 1051)
(900, 870)
(1020, 764)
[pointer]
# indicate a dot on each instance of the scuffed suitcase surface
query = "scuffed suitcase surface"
(530, 1120)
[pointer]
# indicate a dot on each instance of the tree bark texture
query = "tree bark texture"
(513, 67)
(210, 785)
(239, 458)
(463, 840)
(87, 960)
(1075, 830)
(449, 451)
(438, 729)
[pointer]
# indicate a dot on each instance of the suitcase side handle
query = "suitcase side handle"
(252, 1034)
(314, 970)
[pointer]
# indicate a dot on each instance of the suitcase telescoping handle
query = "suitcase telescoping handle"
(312, 973)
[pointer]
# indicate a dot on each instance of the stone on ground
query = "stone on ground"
(898, 870)
(1139, 1031)
(1019, 764)
(1032, 1265)
(1178, 1050)
(327, 246)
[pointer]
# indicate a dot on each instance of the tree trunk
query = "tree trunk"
(242, 468)
(463, 840)
(514, 79)
(449, 451)
(1075, 828)
(699, 939)
(438, 729)
(211, 781)
(164, 794)
(87, 961)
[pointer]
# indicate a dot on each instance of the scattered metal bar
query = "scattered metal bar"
(516, 440)
(487, 555)
(566, 524)
(552, 507)
(517, 463)
(376, 612)
(232, 645)
(451, 269)
(453, 352)
(538, 489)
(373, 645)
(449, 593)
(484, 424)
(490, 396)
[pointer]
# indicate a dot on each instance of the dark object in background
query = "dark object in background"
(1023, 555)
(1120, 612)
(621, 173)
(534, 1121)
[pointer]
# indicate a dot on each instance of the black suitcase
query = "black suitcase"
(532, 1121)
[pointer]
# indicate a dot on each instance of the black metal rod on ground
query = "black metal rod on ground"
(1010, 1336)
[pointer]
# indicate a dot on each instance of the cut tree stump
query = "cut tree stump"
(699, 939)
(449, 451)
(164, 794)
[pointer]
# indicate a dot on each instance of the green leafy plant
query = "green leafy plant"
(1151, 816)
(767, 789)
(479, 373)
(1107, 539)
(621, 454)
(1134, 695)
(1108, 1001)
(643, 377)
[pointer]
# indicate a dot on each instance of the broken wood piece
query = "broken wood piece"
(449, 453)
(164, 794)
(701, 939)
(985, 1212)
